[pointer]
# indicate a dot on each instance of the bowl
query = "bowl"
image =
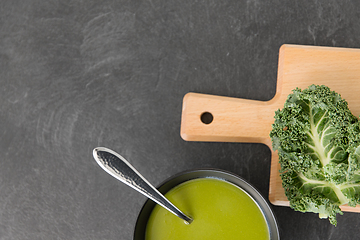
(141, 223)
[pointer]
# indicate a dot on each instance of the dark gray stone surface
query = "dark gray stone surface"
(78, 74)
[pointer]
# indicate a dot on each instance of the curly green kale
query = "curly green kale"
(318, 143)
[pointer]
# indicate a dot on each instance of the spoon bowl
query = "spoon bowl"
(143, 217)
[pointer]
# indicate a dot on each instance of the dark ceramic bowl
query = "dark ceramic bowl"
(140, 227)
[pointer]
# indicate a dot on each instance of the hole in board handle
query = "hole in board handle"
(206, 117)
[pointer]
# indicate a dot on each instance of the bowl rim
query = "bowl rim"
(224, 175)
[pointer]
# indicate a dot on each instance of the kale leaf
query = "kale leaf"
(318, 142)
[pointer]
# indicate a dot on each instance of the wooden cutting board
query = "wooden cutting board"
(243, 120)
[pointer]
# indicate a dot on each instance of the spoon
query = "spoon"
(119, 168)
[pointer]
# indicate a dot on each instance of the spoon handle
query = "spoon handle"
(119, 168)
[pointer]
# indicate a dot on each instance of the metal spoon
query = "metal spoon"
(119, 168)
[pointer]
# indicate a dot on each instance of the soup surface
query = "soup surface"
(220, 211)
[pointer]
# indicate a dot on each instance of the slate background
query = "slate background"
(77, 74)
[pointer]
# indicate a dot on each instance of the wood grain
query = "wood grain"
(243, 120)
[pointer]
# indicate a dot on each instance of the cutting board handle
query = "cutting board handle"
(225, 119)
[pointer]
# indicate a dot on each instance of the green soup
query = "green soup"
(220, 211)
